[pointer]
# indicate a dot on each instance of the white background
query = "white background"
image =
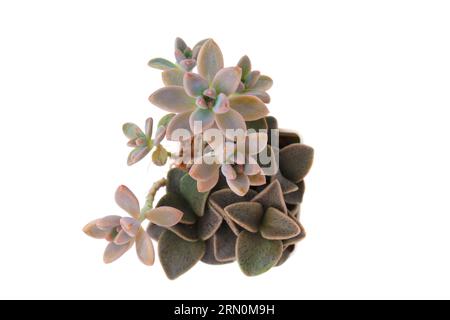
(365, 82)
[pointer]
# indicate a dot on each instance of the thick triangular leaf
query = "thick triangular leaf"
(209, 223)
(296, 161)
(186, 232)
(286, 255)
(297, 238)
(296, 196)
(197, 200)
(286, 185)
(177, 256)
(209, 257)
(246, 214)
(225, 244)
(155, 231)
(257, 255)
(272, 196)
(277, 225)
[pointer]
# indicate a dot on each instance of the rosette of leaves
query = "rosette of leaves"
(185, 57)
(253, 82)
(123, 232)
(142, 142)
(239, 167)
(209, 97)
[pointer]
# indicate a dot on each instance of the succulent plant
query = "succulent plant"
(222, 202)
(209, 97)
(123, 232)
(253, 83)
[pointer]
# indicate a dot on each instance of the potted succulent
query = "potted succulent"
(234, 187)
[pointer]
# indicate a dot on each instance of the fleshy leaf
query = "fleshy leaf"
(246, 214)
(272, 196)
(257, 180)
(188, 64)
(173, 77)
(209, 60)
(161, 64)
(208, 184)
(286, 254)
(114, 251)
(137, 154)
(159, 156)
(228, 171)
(203, 171)
(210, 256)
(296, 196)
(222, 104)
(197, 48)
(204, 116)
(172, 99)
(164, 121)
(278, 225)
(122, 238)
(197, 200)
(296, 161)
(286, 185)
(164, 216)
(227, 80)
(108, 222)
(257, 255)
(250, 107)
(177, 256)
(257, 125)
(251, 79)
(225, 244)
(194, 84)
(155, 231)
(262, 95)
(132, 131)
(95, 232)
(180, 44)
(144, 248)
(246, 66)
(230, 120)
(240, 185)
(149, 127)
(173, 180)
(186, 232)
(127, 201)
(264, 83)
(297, 238)
(130, 226)
(174, 200)
(209, 223)
(180, 121)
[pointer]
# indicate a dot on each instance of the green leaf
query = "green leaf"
(177, 256)
(246, 66)
(161, 64)
(257, 255)
(296, 161)
(197, 200)
(278, 225)
(173, 180)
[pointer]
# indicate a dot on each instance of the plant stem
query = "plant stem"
(151, 197)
